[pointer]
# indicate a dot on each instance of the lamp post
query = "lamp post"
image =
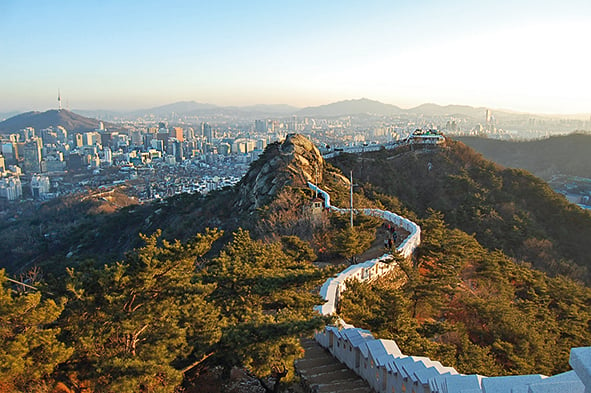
(351, 196)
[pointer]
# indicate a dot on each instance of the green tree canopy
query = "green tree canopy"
(137, 323)
(267, 299)
(474, 309)
(29, 348)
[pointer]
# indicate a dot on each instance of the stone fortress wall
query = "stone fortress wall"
(387, 370)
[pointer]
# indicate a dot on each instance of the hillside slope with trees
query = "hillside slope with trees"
(565, 154)
(122, 305)
(148, 298)
(473, 309)
(506, 209)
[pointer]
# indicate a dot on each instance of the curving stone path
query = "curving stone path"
(381, 363)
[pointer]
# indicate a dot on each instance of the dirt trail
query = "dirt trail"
(377, 248)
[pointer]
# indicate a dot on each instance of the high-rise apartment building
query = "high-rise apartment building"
(260, 126)
(11, 188)
(32, 156)
(207, 132)
(78, 140)
(40, 186)
(177, 133)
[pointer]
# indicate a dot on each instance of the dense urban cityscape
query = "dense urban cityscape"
(160, 156)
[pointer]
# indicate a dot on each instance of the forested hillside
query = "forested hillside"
(506, 209)
(149, 321)
(106, 317)
(149, 297)
(473, 309)
(565, 154)
(67, 230)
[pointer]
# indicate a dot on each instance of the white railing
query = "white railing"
(412, 139)
(387, 370)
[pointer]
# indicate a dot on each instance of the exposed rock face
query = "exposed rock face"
(293, 162)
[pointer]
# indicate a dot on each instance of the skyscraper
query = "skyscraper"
(207, 132)
(177, 133)
(260, 126)
(32, 156)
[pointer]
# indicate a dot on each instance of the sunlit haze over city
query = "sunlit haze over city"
(529, 56)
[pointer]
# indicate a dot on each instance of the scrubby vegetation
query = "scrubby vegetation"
(145, 322)
(105, 318)
(506, 209)
(474, 309)
(564, 154)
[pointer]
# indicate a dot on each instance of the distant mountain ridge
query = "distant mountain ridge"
(351, 107)
(71, 121)
(193, 108)
(361, 106)
(182, 107)
(448, 110)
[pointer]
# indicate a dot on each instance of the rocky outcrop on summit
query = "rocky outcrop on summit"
(293, 162)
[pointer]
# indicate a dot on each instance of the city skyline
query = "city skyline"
(524, 56)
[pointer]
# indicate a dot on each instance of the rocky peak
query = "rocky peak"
(293, 162)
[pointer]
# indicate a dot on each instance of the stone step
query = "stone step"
(324, 369)
(315, 357)
(340, 388)
(318, 351)
(315, 362)
(338, 385)
(320, 372)
(311, 343)
(357, 386)
(341, 375)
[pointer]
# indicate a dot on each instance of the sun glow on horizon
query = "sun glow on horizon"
(521, 55)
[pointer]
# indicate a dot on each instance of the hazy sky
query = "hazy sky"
(121, 54)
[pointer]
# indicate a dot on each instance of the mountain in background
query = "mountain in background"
(6, 115)
(182, 107)
(192, 108)
(351, 107)
(363, 106)
(565, 154)
(277, 109)
(52, 118)
(448, 110)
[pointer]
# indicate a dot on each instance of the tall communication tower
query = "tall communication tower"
(59, 100)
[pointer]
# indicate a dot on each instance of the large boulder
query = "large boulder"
(293, 162)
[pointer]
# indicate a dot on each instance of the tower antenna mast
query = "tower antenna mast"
(59, 100)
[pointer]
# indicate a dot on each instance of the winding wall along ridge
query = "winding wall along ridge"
(387, 370)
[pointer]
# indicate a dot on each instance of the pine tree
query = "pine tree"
(267, 299)
(29, 348)
(352, 241)
(138, 323)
